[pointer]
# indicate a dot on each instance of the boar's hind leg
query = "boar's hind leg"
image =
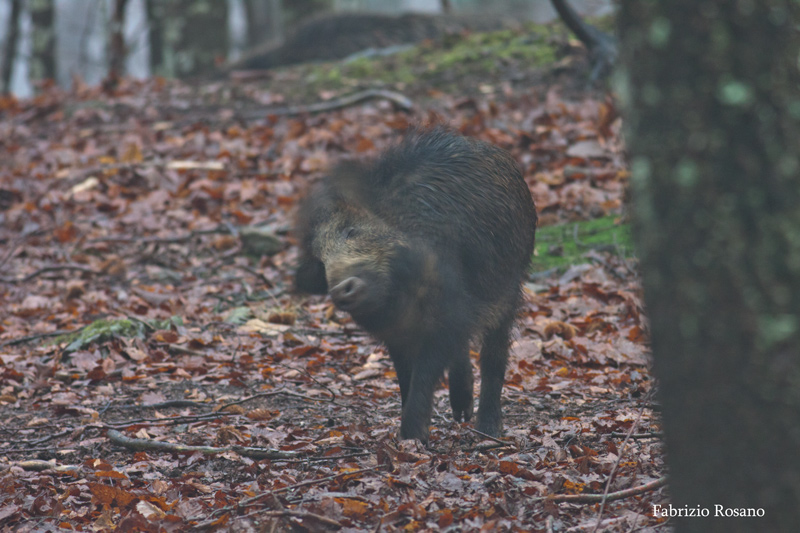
(429, 366)
(460, 378)
(494, 356)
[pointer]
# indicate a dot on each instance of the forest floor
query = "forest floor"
(157, 374)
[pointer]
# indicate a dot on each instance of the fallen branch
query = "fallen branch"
(298, 514)
(52, 268)
(487, 436)
(398, 99)
(161, 240)
(254, 499)
(602, 47)
(651, 435)
(622, 451)
(157, 445)
(37, 465)
(610, 497)
(37, 336)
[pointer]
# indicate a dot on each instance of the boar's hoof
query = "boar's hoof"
(419, 432)
(349, 293)
(490, 426)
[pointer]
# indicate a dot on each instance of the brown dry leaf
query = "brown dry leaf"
(67, 233)
(235, 409)
(229, 434)
(131, 153)
(104, 522)
(353, 508)
(114, 266)
(265, 328)
(166, 335)
(106, 495)
(259, 414)
(562, 329)
(149, 511)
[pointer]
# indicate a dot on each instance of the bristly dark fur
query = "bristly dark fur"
(436, 234)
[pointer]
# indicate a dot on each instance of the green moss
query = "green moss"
(104, 330)
(445, 64)
(566, 244)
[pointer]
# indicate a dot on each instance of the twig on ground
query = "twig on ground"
(157, 445)
(251, 398)
(610, 497)
(36, 336)
(650, 435)
(398, 99)
(162, 240)
(37, 465)
(323, 459)
(487, 436)
(622, 451)
(254, 499)
(297, 514)
(51, 268)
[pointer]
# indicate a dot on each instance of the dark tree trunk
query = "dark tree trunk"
(602, 47)
(10, 53)
(155, 23)
(187, 37)
(117, 49)
(713, 100)
(43, 60)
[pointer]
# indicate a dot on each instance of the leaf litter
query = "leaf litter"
(134, 308)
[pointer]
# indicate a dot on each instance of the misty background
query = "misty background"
(80, 29)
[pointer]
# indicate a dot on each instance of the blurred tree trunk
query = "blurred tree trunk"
(10, 49)
(117, 49)
(43, 60)
(264, 22)
(602, 47)
(187, 37)
(712, 91)
(155, 22)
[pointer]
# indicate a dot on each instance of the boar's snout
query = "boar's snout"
(349, 294)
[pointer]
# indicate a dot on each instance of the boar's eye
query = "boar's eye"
(349, 232)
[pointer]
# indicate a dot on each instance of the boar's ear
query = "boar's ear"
(310, 277)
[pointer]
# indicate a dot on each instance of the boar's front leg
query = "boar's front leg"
(460, 379)
(429, 365)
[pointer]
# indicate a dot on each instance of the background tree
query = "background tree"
(10, 45)
(602, 47)
(714, 130)
(264, 21)
(187, 36)
(43, 60)
(117, 49)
